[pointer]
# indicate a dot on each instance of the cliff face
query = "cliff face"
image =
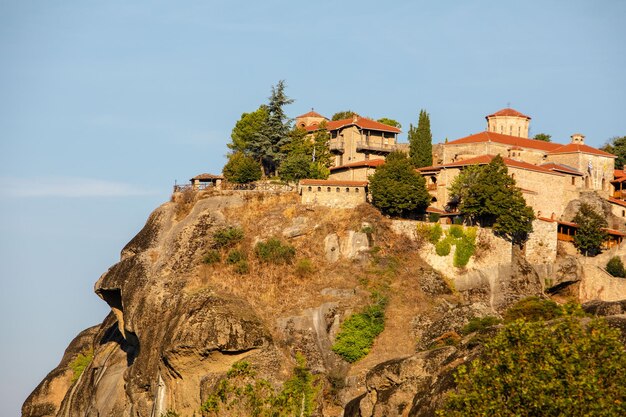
(177, 325)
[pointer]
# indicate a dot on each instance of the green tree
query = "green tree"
(241, 169)
(561, 368)
(491, 198)
(295, 167)
(396, 187)
(245, 130)
(389, 122)
(617, 146)
(543, 136)
(340, 115)
(420, 142)
(269, 142)
(590, 233)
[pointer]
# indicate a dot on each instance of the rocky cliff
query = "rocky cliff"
(178, 323)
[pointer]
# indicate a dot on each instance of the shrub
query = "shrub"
(457, 220)
(433, 217)
(212, 257)
(304, 267)
(456, 231)
(228, 237)
(480, 323)
(464, 251)
(81, 362)
(358, 332)
(443, 248)
(274, 251)
(170, 413)
(235, 256)
(562, 368)
(615, 267)
(533, 309)
(435, 233)
(242, 267)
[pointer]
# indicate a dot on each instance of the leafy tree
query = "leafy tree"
(492, 199)
(396, 187)
(543, 136)
(269, 142)
(617, 146)
(615, 267)
(420, 142)
(245, 130)
(295, 167)
(465, 181)
(241, 169)
(340, 115)
(590, 234)
(561, 368)
(390, 122)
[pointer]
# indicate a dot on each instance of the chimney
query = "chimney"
(355, 117)
(578, 138)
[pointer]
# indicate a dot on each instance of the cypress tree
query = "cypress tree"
(420, 142)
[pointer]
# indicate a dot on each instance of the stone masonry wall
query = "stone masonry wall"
(333, 196)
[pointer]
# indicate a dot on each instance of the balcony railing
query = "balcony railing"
(621, 194)
(375, 147)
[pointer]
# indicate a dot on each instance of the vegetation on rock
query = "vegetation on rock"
(615, 267)
(617, 146)
(274, 251)
(81, 362)
(590, 234)
(564, 367)
(243, 393)
(397, 189)
(358, 331)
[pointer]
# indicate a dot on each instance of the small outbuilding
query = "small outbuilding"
(333, 193)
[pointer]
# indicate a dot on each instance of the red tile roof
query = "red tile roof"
(207, 177)
(619, 173)
(311, 114)
(485, 159)
(362, 122)
(507, 140)
(333, 183)
(576, 147)
(561, 168)
(372, 163)
(617, 201)
(508, 112)
(606, 229)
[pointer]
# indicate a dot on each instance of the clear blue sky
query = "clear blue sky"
(103, 105)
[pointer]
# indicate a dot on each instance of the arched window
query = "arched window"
(573, 180)
(347, 190)
(310, 188)
(356, 189)
(338, 190)
(328, 189)
(603, 183)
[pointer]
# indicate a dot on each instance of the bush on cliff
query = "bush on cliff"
(615, 267)
(81, 362)
(562, 368)
(274, 251)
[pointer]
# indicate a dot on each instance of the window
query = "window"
(623, 213)
(338, 190)
(573, 180)
(328, 189)
(347, 190)
(356, 190)
(310, 188)
(319, 188)
(511, 130)
(519, 131)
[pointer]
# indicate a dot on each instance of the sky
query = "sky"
(105, 105)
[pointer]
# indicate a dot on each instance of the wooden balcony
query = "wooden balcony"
(376, 148)
(620, 194)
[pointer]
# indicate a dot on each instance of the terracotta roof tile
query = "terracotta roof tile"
(507, 140)
(508, 112)
(311, 114)
(372, 163)
(363, 123)
(561, 168)
(485, 159)
(208, 177)
(333, 183)
(617, 201)
(577, 147)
